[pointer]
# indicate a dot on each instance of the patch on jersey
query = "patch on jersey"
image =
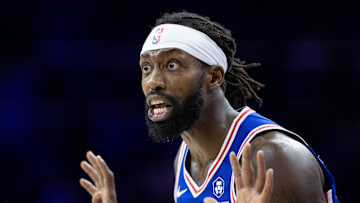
(218, 187)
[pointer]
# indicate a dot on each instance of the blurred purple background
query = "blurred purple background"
(70, 82)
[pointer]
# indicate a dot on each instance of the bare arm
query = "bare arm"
(297, 174)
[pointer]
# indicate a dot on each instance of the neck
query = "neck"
(207, 135)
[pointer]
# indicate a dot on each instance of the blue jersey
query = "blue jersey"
(219, 182)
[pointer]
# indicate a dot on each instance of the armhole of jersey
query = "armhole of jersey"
(178, 168)
(251, 135)
(329, 179)
(329, 194)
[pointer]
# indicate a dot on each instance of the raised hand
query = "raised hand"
(249, 190)
(104, 189)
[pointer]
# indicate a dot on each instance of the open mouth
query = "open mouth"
(159, 109)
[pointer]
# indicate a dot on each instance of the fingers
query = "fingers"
(261, 170)
(88, 186)
(91, 172)
(92, 159)
(209, 200)
(267, 191)
(244, 178)
(102, 176)
(236, 171)
(246, 169)
(107, 174)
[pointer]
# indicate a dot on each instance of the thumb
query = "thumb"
(209, 200)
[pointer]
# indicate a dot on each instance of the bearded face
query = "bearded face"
(172, 82)
(175, 118)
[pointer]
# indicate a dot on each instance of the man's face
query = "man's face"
(172, 83)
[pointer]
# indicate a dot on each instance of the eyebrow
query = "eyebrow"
(167, 52)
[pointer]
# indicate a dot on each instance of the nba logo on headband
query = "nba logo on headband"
(157, 35)
(187, 39)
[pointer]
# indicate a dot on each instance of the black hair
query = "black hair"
(238, 86)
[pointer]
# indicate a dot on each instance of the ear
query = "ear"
(217, 76)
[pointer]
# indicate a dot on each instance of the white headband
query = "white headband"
(192, 41)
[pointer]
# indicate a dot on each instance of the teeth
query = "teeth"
(154, 102)
(158, 111)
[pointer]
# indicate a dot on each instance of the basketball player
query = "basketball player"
(196, 88)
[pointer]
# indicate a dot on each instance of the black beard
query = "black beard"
(183, 117)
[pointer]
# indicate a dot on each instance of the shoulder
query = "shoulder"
(297, 173)
(277, 144)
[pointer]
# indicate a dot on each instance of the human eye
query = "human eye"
(173, 65)
(146, 68)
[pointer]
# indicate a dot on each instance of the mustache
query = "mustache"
(174, 100)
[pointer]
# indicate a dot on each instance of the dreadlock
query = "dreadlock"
(238, 86)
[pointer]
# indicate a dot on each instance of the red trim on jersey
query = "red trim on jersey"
(232, 195)
(255, 131)
(191, 184)
(180, 158)
(220, 158)
(326, 198)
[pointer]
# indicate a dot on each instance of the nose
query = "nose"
(156, 80)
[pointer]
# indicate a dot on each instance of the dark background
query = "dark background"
(70, 82)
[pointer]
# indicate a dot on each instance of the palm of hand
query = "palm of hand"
(104, 189)
(248, 195)
(102, 197)
(249, 190)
